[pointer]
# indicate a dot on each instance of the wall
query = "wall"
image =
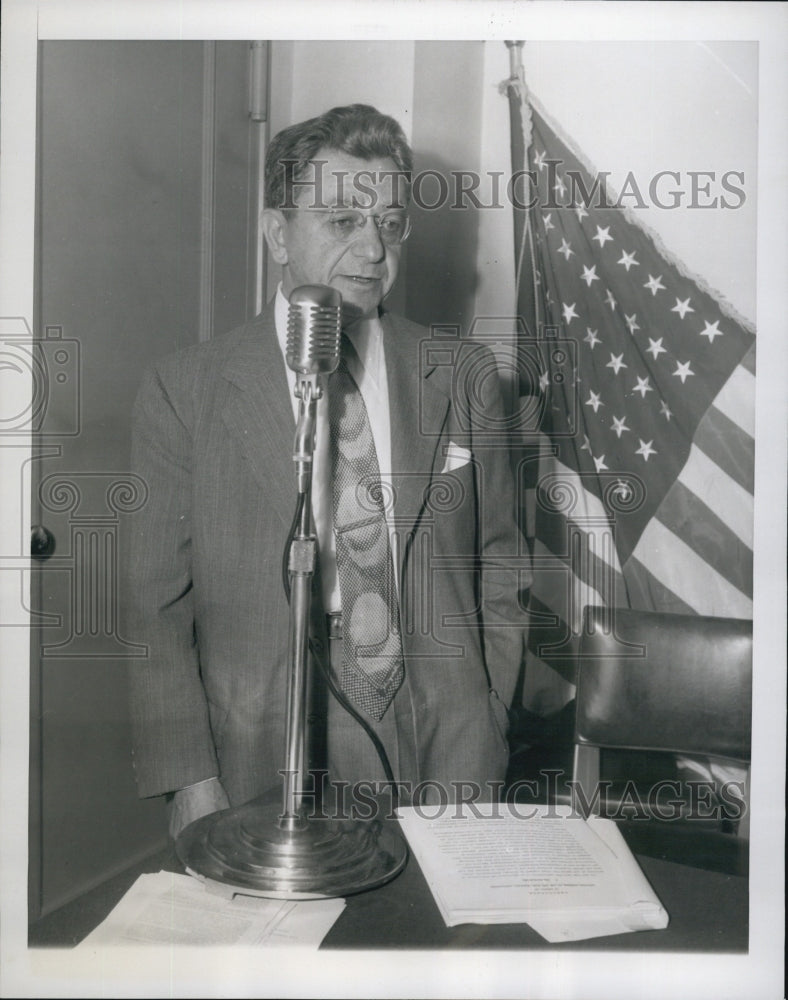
(441, 270)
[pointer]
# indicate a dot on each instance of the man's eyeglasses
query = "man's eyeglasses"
(346, 223)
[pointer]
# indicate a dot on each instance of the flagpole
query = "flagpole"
(515, 59)
(520, 120)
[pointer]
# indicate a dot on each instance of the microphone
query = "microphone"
(313, 334)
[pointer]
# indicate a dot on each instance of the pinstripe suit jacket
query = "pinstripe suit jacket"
(212, 434)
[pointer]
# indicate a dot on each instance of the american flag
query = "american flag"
(637, 485)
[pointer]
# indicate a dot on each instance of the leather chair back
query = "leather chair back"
(655, 681)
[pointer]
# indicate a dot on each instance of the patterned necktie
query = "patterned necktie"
(372, 668)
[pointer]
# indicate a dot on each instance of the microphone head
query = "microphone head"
(314, 330)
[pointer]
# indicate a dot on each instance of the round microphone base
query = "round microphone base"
(246, 850)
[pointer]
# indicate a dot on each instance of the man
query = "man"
(428, 645)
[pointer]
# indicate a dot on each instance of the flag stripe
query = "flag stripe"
(646, 591)
(559, 589)
(681, 569)
(726, 444)
(732, 504)
(700, 528)
(736, 399)
(594, 563)
(749, 359)
(553, 643)
(587, 511)
(554, 530)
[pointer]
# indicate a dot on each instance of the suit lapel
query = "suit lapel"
(418, 408)
(259, 413)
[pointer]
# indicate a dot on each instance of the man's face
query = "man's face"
(320, 252)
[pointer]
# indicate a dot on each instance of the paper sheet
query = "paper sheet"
(167, 909)
(567, 878)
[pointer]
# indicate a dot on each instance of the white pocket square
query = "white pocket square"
(456, 457)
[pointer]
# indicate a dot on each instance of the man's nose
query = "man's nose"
(368, 243)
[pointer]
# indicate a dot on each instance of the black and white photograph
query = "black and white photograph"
(392, 582)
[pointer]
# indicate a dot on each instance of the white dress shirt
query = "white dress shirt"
(368, 368)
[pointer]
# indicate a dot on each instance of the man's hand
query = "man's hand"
(194, 801)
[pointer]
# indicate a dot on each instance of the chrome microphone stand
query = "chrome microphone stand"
(278, 848)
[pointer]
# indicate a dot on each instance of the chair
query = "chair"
(651, 686)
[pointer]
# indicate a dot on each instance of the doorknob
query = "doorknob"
(42, 542)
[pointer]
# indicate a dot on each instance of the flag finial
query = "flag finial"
(516, 83)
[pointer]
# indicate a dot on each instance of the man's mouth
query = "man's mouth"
(361, 279)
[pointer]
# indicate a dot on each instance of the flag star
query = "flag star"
(632, 322)
(603, 236)
(663, 409)
(589, 275)
(586, 445)
(599, 463)
(548, 221)
(544, 381)
(655, 348)
(610, 300)
(645, 449)
(594, 400)
(628, 260)
(581, 213)
(616, 362)
(559, 186)
(711, 331)
(620, 425)
(682, 308)
(683, 370)
(569, 312)
(566, 249)
(642, 386)
(654, 284)
(591, 338)
(539, 160)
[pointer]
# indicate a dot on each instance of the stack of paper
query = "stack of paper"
(566, 877)
(167, 909)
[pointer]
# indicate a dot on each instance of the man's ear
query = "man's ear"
(274, 230)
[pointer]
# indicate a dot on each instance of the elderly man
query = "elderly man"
(415, 605)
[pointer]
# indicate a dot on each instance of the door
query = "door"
(147, 241)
